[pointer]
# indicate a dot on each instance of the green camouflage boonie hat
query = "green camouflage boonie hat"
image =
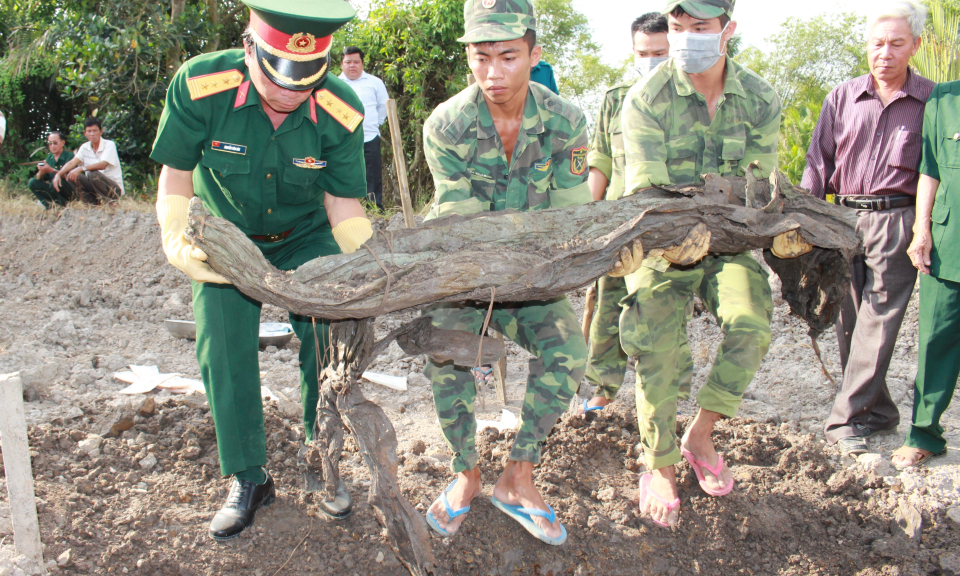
(497, 20)
(703, 9)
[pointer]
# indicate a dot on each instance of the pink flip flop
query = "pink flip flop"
(646, 492)
(715, 470)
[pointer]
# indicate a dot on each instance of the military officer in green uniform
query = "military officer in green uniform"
(41, 184)
(607, 361)
(935, 252)
(269, 141)
(506, 144)
(699, 112)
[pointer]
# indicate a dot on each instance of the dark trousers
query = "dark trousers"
(881, 283)
(96, 188)
(48, 195)
(374, 161)
(939, 361)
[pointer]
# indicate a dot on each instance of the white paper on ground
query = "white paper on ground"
(395, 382)
(267, 395)
(143, 379)
(508, 421)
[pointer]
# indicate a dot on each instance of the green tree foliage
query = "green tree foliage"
(939, 56)
(412, 46)
(807, 59)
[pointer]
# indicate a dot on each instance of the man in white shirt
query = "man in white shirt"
(95, 169)
(373, 94)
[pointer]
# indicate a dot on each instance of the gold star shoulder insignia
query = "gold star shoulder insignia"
(339, 110)
(210, 84)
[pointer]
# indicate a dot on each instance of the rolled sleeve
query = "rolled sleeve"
(931, 137)
(644, 142)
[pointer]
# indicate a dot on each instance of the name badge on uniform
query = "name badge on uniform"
(309, 162)
(231, 148)
(543, 166)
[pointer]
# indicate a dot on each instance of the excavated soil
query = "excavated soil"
(83, 294)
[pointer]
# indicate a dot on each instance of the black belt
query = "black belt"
(271, 238)
(884, 202)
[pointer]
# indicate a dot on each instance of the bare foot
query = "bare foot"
(906, 456)
(595, 401)
(516, 488)
(698, 441)
(663, 484)
(468, 487)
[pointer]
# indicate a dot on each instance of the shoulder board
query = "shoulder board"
(753, 83)
(457, 126)
(339, 110)
(652, 85)
(210, 84)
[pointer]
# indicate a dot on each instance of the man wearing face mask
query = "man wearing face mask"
(607, 361)
(699, 112)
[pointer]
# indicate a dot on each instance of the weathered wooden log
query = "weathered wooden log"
(524, 256)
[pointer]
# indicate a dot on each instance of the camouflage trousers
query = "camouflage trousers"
(607, 362)
(653, 327)
(551, 332)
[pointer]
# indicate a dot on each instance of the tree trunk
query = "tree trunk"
(173, 53)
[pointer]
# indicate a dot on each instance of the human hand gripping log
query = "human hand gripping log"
(523, 256)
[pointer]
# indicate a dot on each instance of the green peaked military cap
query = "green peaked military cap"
(703, 9)
(497, 20)
(293, 38)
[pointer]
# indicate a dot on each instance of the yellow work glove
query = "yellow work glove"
(790, 245)
(693, 248)
(630, 259)
(352, 233)
(172, 213)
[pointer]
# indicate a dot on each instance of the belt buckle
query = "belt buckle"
(272, 238)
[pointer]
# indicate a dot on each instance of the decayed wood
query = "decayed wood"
(525, 256)
(18, 470)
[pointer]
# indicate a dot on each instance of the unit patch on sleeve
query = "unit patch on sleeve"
(210, 84)
(339, 110)
(309, 162)
(578, 160)
(231, 148)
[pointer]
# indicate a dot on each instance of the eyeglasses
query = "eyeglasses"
(52, 143)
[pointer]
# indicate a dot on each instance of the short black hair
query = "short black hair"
(650, 23)
(530, 38)
(353, 50)
(678, 12)
(59, 134)
(93, 121)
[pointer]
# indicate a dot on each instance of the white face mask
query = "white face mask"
(645, 66)
(696, 53)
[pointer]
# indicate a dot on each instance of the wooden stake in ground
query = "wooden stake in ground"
(400, 163)
(19, 472)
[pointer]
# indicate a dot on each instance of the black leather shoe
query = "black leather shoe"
(243, 501)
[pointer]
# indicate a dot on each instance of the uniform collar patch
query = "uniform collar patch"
(309, 162)
(543, 166)
(231, 148)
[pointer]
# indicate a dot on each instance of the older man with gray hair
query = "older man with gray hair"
(865, 154)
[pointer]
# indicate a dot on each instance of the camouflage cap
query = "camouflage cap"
(704, 9)
(497, 20)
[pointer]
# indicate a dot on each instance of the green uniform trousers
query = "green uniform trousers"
(550, 330)
(653, 327)
(48, 195)
(607, 362)
(228, 329)
(939, 361)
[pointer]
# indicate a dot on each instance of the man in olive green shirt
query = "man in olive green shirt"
(41, 185)
(699, 112)
(607, 361)
(273, 144)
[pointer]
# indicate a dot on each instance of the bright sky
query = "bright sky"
(756, 19)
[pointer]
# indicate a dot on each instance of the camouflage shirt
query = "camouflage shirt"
(470, 169)
(606, 150)
(670, 139)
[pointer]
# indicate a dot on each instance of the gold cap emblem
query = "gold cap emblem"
(302, 43)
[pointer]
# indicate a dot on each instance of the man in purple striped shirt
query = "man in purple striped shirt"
(865, 154)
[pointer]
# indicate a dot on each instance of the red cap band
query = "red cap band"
(297, 45)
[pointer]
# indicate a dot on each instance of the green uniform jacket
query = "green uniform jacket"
(606, 150)
(52, 162)
(670, 139)
(263, 180)
(469, 166)
(941, 161)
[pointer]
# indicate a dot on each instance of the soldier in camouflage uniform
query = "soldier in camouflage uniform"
(607, 362)
(506, 144)
(699, 112)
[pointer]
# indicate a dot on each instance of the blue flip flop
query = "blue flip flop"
(587, 408)
(451, 513)
(525, 517)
